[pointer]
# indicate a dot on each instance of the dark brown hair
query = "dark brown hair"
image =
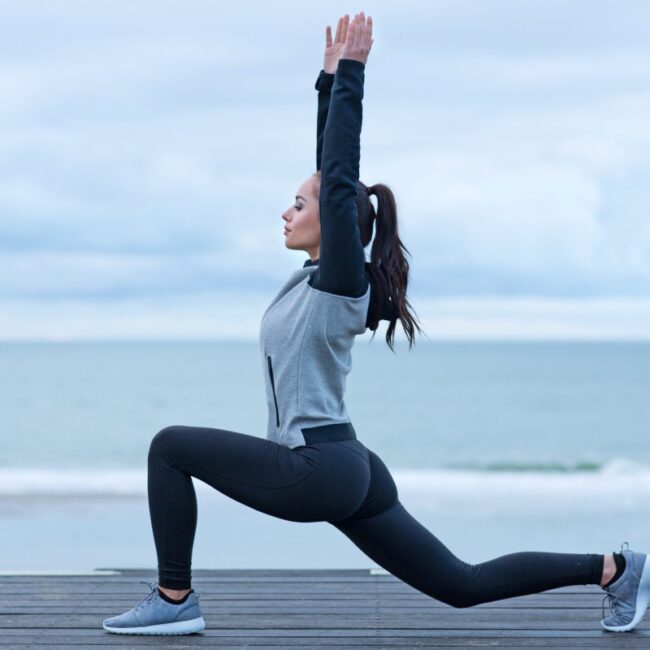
(388, 266)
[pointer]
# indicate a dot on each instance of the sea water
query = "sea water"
(494, 446)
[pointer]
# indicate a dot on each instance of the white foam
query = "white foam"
(622, 484)
(59, 482)
(97, 572)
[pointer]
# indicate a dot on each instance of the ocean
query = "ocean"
(495, 446)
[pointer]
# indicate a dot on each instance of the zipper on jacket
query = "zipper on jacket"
(275, 399)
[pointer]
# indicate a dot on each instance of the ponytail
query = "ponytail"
(388, 266)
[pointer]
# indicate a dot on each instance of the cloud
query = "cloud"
(150, 149)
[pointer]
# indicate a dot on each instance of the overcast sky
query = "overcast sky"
(149, 148)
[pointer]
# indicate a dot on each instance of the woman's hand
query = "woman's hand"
(358, 40)
(333, 49)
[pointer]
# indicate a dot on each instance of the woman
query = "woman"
(311, 466)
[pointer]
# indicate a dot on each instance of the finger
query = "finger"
(345, 28)
(352, 28)
(328, 36)
(354, 37)
(358, 40)
(367, 34)
(338, 30)
(349, 40)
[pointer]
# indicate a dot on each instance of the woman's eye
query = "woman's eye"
(297, 207)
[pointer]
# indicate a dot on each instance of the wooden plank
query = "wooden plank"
(300, 608)
(310, 642)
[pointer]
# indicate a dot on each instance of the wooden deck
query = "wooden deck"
(301, 608)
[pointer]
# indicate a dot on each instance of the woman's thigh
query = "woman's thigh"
(318, 482)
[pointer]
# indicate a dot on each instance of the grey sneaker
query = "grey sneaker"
(154, 615)
(629, 594)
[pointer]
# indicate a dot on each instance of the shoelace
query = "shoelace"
(153, 586)
(613, 600)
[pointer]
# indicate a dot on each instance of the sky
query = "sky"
(149, 148)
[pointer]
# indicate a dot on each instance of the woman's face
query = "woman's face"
(302, 220)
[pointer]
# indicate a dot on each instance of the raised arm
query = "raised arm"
(341, 257)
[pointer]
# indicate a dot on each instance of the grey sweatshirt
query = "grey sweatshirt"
(307, 332)
(306, 339)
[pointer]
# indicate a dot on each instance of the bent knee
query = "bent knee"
(464, 596)
(460, 601)
(165, 439)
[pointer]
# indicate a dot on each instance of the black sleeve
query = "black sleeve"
(341, 267)
(324, 87)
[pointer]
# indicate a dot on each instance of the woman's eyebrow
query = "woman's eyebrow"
(301, 197)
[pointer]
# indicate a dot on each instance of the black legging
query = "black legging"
(341, 482)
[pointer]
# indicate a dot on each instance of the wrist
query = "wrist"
(324, 81)
(349, 60)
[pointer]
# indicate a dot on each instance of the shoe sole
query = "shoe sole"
(642, 600)
(179, 627)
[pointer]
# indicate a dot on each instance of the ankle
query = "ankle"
(610, 577)
(174, 594)
(609, 569)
